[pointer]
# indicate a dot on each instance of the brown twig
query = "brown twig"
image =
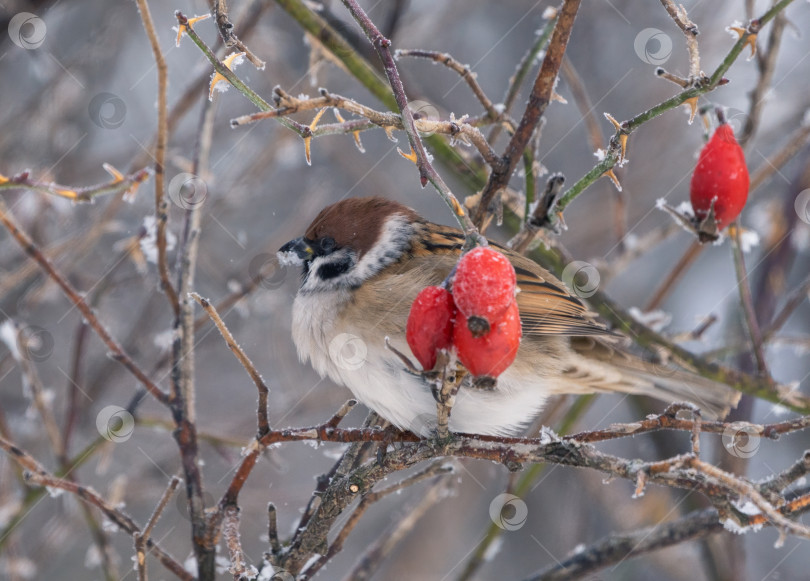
(690, 31)
(73, 295)
(747, 303)
(219, 8)
(522, 71)
(795, 298)
(426, 172)
(461, 129)
(463, 71)
(36, 474)
(533, 225)
(230, 532)
(371, 560)
(766, 63)
(538, 100)
(616, 548)
(677, 271)
(141, 538)
(261, 386)
(161, 203)
(437, 468)
(120, 183)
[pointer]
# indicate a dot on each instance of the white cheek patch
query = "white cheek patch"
(394, 239)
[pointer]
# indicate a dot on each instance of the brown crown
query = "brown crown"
(356, 222)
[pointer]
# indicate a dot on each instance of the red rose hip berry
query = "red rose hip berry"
(430, 324)
(720, 176)
(483, 287)
(491, 354)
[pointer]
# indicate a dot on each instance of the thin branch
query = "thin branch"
(523, 68)
(463, 71)
(230, 532)
(747, 303)
(261, 386)
(119, 183)
(369, 562)
(674, 275)
(141, 538)
(795, 298)
(36, 474)
(73, 295)
(220, 67)
(458, 129)
(539, 98)
(691, 94)
(437, 468)
(161, 203)
(426, 172)
(767, 67)
(219, 8)
(690, 31)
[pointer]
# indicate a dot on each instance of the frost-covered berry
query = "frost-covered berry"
(483, 287)
(492, 353)
(430, 324)
(720, 176)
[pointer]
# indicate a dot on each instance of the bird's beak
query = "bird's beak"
(296, 251)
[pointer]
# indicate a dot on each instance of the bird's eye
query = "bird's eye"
(327, 244)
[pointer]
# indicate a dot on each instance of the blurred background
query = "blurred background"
(78, 89)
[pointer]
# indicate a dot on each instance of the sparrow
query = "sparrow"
(364, 261)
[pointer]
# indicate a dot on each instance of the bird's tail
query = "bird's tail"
(601, 367)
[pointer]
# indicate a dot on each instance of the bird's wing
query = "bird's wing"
(546, 305)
